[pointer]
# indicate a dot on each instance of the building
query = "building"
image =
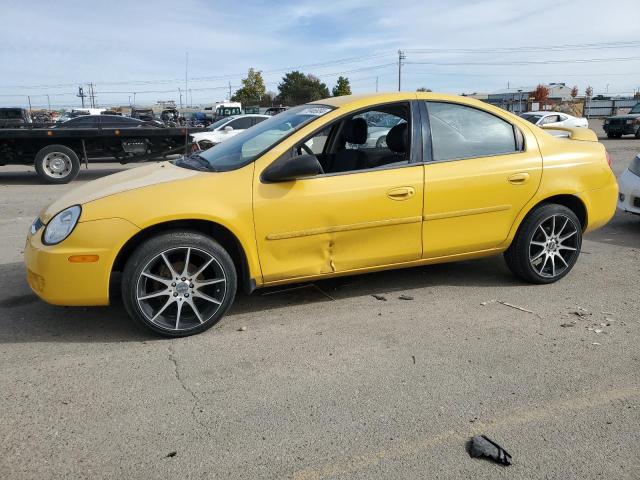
(520, 99)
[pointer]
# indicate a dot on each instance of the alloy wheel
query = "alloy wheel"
(554, 246)
(181, 288)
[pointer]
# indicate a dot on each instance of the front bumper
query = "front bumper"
(629, 196)
(59, 281)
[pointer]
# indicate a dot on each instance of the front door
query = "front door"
(484, 170)
(364, 210)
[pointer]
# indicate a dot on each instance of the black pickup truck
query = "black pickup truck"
(57, 152)
(619, 125)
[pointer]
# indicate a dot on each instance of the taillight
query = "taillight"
(609, 158)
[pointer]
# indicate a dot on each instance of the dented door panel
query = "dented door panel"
(337, 223)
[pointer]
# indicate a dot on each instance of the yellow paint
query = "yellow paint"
(328, 225)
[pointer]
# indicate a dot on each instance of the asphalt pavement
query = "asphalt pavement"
(326, 381)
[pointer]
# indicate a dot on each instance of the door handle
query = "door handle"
(401, 193)
(519, 178)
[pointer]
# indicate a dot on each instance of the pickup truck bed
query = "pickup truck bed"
(56, 153)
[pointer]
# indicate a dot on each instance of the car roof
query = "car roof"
(546, 113)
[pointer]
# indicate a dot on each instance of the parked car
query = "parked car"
(145, 114)
(14, 118)
(224, 129)
(628, 124)
(105, 121)
(459, 179)
(271, 111)
(629, 184)
(555, 119)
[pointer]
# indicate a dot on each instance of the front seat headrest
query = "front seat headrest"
(398, 138)
(355, 131)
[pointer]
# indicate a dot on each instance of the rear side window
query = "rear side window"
(458, 132)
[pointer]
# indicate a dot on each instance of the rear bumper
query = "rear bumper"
(600, 204)
(626, 129)
(59, 281)
(629, 196)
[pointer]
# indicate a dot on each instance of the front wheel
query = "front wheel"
(57, 164)
(546, 246)
(179, 283)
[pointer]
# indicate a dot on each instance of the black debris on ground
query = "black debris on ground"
(379, 297)
(481, 446)
(405, 297)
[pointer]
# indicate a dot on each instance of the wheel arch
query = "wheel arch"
(218, 232)
(571, 201)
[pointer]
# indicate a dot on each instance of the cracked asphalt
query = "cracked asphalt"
(327, 381)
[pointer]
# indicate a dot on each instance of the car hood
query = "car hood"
(132, 179)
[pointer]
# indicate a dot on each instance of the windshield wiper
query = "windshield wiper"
(195, 161)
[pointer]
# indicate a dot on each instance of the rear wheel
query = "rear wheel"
(57, 164)
(546, 246)
(179, 283)
(638, 133)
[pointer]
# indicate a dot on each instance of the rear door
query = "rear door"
(482, 172)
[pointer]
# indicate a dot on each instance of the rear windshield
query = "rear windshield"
(532, 118)
(636, 109)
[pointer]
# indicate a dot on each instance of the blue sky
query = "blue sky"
(139, 46)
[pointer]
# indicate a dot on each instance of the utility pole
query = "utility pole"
(229, 91)
(48, 102)
(376, 84)
(81, 95)
(401, 57)
(180, 92)
(134, 99)
(29, 98)
(190, 95)
(186, 78)
(92, 96)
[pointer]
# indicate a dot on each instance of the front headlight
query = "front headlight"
(61, 226)
(635, 165)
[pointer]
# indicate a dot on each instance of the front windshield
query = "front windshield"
(635, 109)
(219, 123)
(251, 143)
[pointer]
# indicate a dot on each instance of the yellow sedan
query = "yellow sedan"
(341, 186)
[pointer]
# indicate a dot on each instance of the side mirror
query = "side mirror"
(228, 128)
(288, 168)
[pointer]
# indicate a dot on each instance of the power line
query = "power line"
(530, 62)
(535, 48)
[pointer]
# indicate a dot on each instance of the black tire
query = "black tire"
(173, 245)
(524, 262)
(638, 133)
(61, 155)
(610, 135)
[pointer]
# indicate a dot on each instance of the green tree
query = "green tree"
(342, 87)
(252, 90)
(297, 88)
(424, 89)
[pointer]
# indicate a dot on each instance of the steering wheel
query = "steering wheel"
(308, 150)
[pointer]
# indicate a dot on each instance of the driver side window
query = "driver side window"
(375, 138)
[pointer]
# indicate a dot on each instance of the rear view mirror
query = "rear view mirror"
(288, 168)
(228, 128)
